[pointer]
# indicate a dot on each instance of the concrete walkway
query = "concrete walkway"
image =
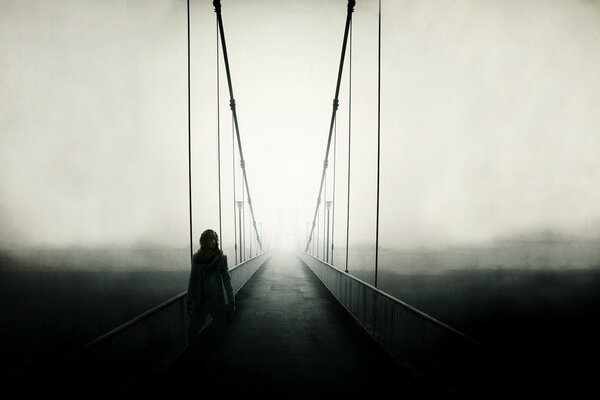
(289, 336)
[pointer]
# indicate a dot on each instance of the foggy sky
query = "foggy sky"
(489, 119)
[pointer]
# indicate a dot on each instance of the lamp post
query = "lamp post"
(318, 218)
(314, 244)
(251, 240)
(328, 204)
(262, 237)
(307, 233)
(324, 228)
(244, 228)
(240, 204)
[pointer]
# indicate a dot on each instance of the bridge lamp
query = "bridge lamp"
(328, 205)
(240, 204)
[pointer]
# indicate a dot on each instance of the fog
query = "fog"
(489, 122)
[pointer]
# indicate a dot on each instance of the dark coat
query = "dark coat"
(209, 286)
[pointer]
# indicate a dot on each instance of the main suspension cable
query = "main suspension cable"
(217, 5)
(351, 4)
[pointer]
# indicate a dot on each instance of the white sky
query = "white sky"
(489, 119)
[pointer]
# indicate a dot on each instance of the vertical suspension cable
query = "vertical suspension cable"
(189, 131)
(325, 233)
(234, 194)
(378, 143)
(333, 197)
(327, 230)
(349, 145)
(243, 244)
(219, 143)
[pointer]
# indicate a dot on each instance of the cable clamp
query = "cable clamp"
(351, 4)
(217, 4)
(325, 164)
(336, 104)
(232, 104)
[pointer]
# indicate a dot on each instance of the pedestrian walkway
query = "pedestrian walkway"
(290, 336)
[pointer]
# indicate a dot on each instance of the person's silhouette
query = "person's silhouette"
(209, 292)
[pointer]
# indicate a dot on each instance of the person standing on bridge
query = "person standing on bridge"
(209, 291)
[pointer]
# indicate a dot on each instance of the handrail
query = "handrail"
(134, 321)
(149, 343)
(403, 304)
(422, 345)
(150, 312)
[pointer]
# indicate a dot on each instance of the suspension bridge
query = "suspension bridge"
(302, 325)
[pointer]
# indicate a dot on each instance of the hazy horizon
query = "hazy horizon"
(488, 121)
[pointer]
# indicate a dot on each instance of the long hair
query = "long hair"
(206, 238)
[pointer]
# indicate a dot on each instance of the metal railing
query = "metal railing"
(426, 347)
(155, 339)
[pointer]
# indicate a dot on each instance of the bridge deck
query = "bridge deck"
(289, 334)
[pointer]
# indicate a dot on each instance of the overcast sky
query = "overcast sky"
(489, 123)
